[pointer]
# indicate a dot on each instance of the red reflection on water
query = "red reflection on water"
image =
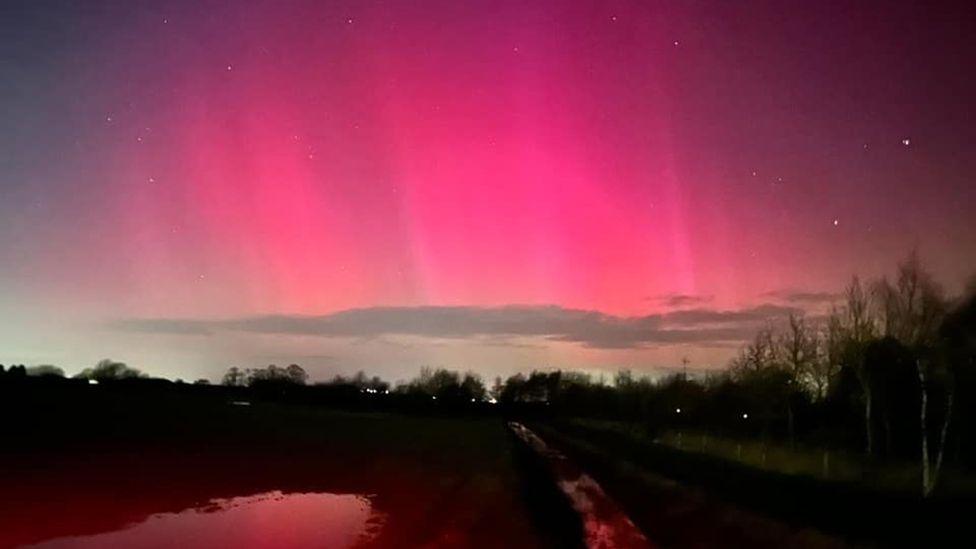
(270, 520)
(605, 524)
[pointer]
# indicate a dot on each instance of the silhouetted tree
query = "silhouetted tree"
(856, 328)
(911, 310)
(472, 387)
(45, 370)
(796, 350)
(273, 375)
(296, 374)
(234, 377)
(958, 354)
(109, 370)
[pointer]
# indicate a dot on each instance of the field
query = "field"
(80, 460)
(81, 463)
(689, 497)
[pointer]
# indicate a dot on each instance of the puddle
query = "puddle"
(268, 520)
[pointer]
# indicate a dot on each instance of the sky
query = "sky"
(494, 186)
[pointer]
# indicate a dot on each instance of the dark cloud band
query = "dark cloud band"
(589, 328)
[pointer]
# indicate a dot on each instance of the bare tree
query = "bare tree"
(796, 351)
(912, 309)
(757, 355)
(855, 327)
(830, 356)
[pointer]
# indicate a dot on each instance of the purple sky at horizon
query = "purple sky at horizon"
(495, 186)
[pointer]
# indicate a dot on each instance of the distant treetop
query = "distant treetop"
(107, 370)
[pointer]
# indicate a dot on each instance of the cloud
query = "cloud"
(803, 297)
(515, 322)
(680, 301)
(163, 326)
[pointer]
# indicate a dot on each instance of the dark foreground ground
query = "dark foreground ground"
(75, 464)
(689, 499)
(80, 460)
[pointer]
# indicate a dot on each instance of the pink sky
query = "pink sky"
(237, 160)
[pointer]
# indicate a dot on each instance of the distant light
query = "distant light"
(492, 400)
(241, 403)
(230, 68)
(677, 410)
(836, 222)
(93, 382)
(745, 416)
(433, 398)
(906, 142)
(472, 400)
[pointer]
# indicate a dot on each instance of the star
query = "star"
(836, 222)
(229, 67)
(515, 49)
(613, 17)
(152, 179)
(139, 139)
(906, 141)
(675, 42)
(349, 21)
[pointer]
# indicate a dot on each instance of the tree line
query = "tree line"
(888, 372)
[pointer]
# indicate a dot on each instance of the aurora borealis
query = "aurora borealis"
(483, 185)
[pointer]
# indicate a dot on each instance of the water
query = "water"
(605, 525)
(271, 520)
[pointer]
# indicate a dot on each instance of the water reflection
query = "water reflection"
(268, 520)
(605, 524)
